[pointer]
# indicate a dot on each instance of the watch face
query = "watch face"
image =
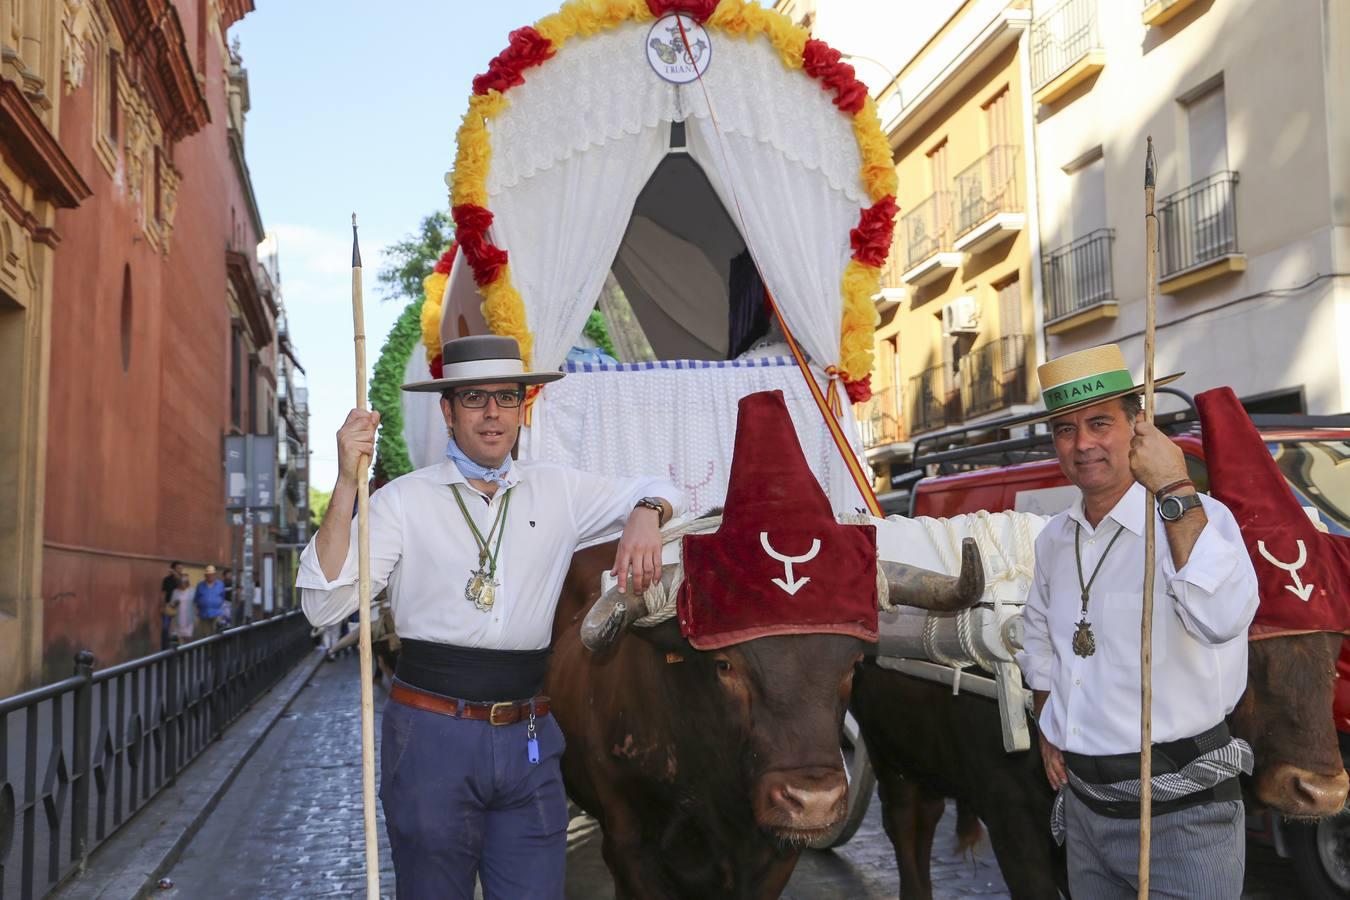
(1170, 509)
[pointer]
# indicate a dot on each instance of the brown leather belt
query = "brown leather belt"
(507, 713)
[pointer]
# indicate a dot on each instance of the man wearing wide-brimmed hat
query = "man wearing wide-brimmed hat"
(1082, 645)
(473, 552)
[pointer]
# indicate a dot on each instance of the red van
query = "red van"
(1021, 473)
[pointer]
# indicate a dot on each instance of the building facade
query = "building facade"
(958, 341)
(141, 325)
(1248, 105)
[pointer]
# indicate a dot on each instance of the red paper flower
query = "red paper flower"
(437, 367)
(823, 62)
(698, 10)
(470, 221)
(859, 391)
(447, 261)
(525, 49)
(871, 240)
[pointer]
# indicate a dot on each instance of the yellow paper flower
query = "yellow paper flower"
(504, 312)
(878, 172)
(860, 283)
(585, 17)
(433, 290)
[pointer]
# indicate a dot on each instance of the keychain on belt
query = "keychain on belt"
(532, 742)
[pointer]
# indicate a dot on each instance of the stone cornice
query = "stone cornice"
(36, 152)
(232, 11)
(239, 269)
(153, 35)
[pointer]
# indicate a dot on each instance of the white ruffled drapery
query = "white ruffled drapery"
(579, 140)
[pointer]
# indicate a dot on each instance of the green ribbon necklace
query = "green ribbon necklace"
(481, 589)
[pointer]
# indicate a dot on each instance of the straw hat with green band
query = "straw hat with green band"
(1087, 377)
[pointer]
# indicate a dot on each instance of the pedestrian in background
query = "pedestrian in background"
(209, 598)
(227, 577)
(170, 582)
(183, 619)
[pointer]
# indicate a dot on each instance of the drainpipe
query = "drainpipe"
(1032, 193)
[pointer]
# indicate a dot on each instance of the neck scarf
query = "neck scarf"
(470, 469)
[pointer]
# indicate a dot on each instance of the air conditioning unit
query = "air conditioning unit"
(961, 316)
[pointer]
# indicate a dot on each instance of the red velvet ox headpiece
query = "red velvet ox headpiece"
(779, 563)
(1304, 575)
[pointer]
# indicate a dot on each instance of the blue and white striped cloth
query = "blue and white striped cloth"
(762, 362)
(1200, 774)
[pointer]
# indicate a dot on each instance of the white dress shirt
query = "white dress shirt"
(1200, 619)
(421, 547)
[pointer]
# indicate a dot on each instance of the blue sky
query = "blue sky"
(354, 109)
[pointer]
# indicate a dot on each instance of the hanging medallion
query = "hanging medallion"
(1084, 644)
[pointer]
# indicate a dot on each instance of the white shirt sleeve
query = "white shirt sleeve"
(1216, 591)
(601, 505)
(330, 602)
(1037, 656)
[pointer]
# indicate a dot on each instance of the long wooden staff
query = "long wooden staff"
(1150, 550)
(363, 559)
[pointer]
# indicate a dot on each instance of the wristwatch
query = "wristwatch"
(655, 504)
(1174, 506)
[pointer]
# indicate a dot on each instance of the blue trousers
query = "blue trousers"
(462, 800)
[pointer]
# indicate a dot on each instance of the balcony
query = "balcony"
(1078, 284)
(994, 377)
(931, 405)
(1159, 12)
(990, 208)
(1065, 50)
(927, 236)
(879, 420)
(892, 290)
(1197, 231)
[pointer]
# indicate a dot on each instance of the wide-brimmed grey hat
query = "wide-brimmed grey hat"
(481, 359)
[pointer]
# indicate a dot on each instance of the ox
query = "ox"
(708, 771)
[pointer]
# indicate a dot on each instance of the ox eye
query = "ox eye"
(724, 665)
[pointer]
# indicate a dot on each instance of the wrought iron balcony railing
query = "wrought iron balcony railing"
(1060, 38)
(1199, 223)
(995, 376)
(1078, 275)
(879, 419)
(931, 405)
(987, 187)
(927, 228)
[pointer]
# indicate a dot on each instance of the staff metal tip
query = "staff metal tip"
(1150, 166)
(356, 247)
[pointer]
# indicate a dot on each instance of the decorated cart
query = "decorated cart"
(680, 203)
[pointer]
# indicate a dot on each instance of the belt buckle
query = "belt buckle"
(506, 707)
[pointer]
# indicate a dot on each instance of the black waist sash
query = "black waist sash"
(1168, 757)
(472, 673)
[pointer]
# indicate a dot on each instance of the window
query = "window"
(1207, 130)
(937, 166)
(998, 119)
(1087, 196)
(126, 318)
(236, 387)
(253, 393)
(1010, 307)
(114, 121)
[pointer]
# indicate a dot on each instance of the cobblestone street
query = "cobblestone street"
(290, 826)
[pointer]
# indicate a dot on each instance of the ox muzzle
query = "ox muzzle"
(614, 612)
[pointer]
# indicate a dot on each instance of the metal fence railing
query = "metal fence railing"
(79, 757)
(1060, 38)
(927, 228)
(1078, 275)
(931, 405)
(995, 376)
(879, 419)
(1198, 223)
(988, 186)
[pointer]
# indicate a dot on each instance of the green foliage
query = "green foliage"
(410, 260)
(405, 338)
(318, 505)
(595, 330)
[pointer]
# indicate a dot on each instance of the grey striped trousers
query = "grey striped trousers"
(1199, 852)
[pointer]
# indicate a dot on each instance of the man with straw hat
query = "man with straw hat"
(474, 552)
(1082, 646)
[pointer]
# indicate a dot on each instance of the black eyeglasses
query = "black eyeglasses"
(472, 399)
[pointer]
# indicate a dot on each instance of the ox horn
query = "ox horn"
(924, 589)
(611, 615)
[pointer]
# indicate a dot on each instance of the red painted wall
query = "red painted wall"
(134, 462)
